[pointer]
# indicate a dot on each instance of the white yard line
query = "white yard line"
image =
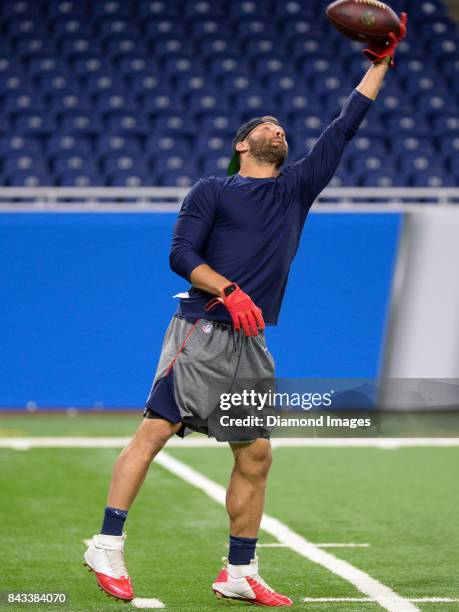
(378, 592)
(145, 603)
(326, 545)
(24, 443)
(368, 599)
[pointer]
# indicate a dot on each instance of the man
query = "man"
(234, 240)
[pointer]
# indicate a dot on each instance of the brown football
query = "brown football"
(363, 20)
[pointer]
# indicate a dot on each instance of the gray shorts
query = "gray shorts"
(202, 361)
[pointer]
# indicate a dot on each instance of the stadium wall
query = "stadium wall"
(86, 299)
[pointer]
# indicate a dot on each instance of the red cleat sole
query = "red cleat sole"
(248, 601)
(107, 593)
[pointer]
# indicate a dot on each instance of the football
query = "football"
(363, 20)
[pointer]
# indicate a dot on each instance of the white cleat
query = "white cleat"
(243, 582)
(105, 557)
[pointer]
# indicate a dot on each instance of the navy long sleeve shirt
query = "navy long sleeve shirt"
(248, 229)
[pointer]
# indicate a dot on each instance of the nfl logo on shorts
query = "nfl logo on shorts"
(207, 328)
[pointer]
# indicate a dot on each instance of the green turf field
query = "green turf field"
(402, 502)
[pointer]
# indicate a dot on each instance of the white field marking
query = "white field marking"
(368, 599)
(327, 545)
(387, 599)
(142, 602)
(202, 442)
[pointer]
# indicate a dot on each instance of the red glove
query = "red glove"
(241, 308)
(377, 52)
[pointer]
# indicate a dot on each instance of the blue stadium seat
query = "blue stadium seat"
(108, 101)
(446, 122)
(159, 9)
(71, 162)
(80, 123)
(329, 83)
(108, 26)
(102, 81)
(129, 64)
(452, 164)
(73, 47)
(19, 8)
(159, 102)
(444, 48)
(414, 162)
(195, 80)
(122, 162)
(17, 102)
(179, 63)
(63, 143)
(68, 100)
(254, 101)
(19, 144)
(57, 80)
(30, 45)
(449, 145)
(296, 26)
(174, 123)
(107, 144)
(23, 162)
(34, 124)
(382, 178)
(167, 44)
(412, 143)
(14, 81)
(297, 103)
(224, 123)
(178, 178)
(215, 164)
(362, 161)
(371, 143)
(71, 25)
(296, 9)
(142, 82)
(154, 27)
(76, 178)
(31, 178)
(179, 145)
(46, 64)
(119, 45)
(228, 64)
(249, 26)
(111, 8)
(18, 26)
(241, 9)
(63, 8)
(432, 178)
(286, 82)
(202, 10)
(270, 63)
(200, 103)
(167, 161)
(127, 123)
(435, 102)
(314, 122)
(215, 144)
(213, 44)
(131, 179)
(91, 63)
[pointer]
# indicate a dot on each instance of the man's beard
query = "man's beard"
(266, 153)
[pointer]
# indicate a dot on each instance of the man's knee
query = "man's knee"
(254, 460)
(154, 433)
